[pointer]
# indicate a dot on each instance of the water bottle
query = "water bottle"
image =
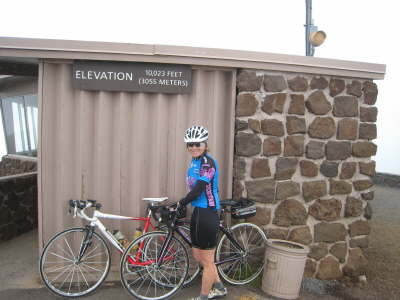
(120, 237)
(138, 232)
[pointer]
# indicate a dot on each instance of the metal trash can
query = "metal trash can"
(284, 268)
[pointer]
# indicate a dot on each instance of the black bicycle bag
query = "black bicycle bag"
(243, 208)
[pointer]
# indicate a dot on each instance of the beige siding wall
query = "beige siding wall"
(120, 147)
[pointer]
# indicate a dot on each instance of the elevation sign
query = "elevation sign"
(132, 77)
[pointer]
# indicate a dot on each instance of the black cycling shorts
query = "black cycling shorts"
(204, 228)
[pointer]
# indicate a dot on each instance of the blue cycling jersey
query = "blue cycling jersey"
(204, 168)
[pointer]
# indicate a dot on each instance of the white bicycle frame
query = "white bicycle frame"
(95, 222)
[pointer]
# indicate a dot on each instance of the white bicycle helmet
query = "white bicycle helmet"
(196, 134)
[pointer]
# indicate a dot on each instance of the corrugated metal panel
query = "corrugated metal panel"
(120, 147)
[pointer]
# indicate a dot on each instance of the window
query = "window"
(20, 116)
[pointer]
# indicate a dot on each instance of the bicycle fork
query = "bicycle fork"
(164, 248)
(86, 243)
(227, 232)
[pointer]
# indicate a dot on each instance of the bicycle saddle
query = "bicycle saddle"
(155, 199)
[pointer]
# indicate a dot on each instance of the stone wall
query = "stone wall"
(303, 145)
(15, 164)
(18, 196)
(385, 179)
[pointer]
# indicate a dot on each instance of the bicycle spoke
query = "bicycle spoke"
(162, 286)
(164, 276)
(66, 253)
(90, 252)
(143, 281)
(58, 268)
(173, 268)
(52, 262)
(73, 255)
(239, 270)
(248, 267)
(242, 239)
(72, 278)
(232, 266)
(62, 284)
(95, 255)
(137, 280)
(141, 269)
(148, 287)
(68, 267)
(155, 288)
(89, 273)
(91, 267)
(83, 276)
(249, 238)
(61, 257)
(79, 282)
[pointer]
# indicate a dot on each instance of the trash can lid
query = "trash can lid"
(288, 246)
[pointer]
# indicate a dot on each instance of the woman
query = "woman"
(202, 181)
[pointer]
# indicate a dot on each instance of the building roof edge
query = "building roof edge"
(71, 49)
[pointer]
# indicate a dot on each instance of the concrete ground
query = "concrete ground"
(18, 262)
(19, 278)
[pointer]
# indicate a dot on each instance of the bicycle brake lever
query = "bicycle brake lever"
(75, 211)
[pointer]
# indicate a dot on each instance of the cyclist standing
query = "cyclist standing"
(202, 181)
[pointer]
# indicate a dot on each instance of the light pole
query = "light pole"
(309, 23)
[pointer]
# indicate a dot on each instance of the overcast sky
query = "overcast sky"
(358, 30)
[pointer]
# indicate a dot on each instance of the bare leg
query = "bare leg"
(210, 274)
(196, 254)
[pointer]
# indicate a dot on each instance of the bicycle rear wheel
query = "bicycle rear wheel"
(248, 264)
(141, 275)
(61, 270)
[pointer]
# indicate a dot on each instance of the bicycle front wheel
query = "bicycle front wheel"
(64, 273)
(194, 266)
(147, 275)
(241, 267)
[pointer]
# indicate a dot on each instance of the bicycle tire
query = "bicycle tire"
(60, 271)
(250, 263)
(194, 266)
(139, 273)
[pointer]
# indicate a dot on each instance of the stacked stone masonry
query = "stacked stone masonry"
(18, 196)
(18, 205)
(303, 147)
(15, 165)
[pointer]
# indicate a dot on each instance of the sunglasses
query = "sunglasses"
(193, 145)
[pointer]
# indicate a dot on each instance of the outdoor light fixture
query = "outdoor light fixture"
(314, 37)
(317, 38)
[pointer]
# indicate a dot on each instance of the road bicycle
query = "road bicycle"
(76, 261)
(154, 266)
